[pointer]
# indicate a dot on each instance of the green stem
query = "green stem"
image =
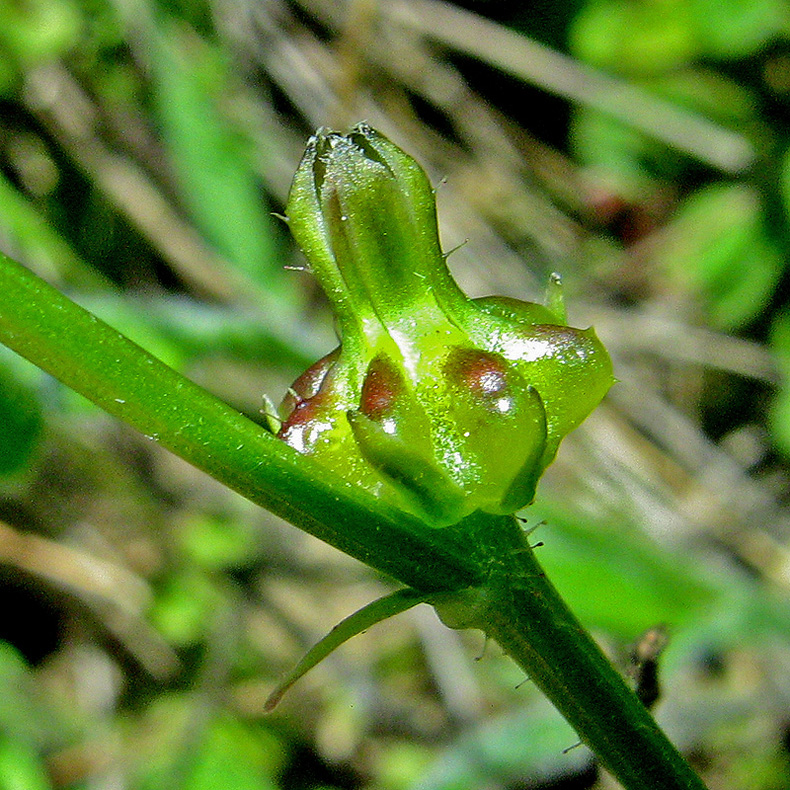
(86, 354)
(527, 617)
(521, 609)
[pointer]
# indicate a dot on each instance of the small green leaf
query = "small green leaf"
(361, 620)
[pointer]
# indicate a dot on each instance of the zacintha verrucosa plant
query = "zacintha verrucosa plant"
(410, 447)
(447, 407)
(437, 403)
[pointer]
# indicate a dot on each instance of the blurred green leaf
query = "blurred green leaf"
(641, 37)
(710, 93)
(597, 567)
(39, 244)
(616, 152)
(36, 30)
(526, 748)
(190, 746)
(740, 27)
(633, 161)
(620, 582)
(133, 318)
(210, 158)
(784, 182)
(231, 757)
(217, 544)
(9, 74)
(401, 764)
(634, 36)
(716, 245)
(21, 767)
(779, 417)
(176, 329)
(183, 606)
(23, 717)
(20, 423)
(779, 414)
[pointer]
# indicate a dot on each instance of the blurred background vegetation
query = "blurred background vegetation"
(639, 147)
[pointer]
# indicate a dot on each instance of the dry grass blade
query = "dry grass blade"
(535, 63)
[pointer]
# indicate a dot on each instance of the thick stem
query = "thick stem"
(87, 355)
(527, 617)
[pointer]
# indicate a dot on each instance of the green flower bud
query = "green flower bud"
(442, 404)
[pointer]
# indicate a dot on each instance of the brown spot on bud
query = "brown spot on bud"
(308, 384)
(303, 412)
(308, 421)
(480, 372)
(380, 389)
(307, 406)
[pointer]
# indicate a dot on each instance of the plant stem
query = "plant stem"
(83, 352)
(521, 609)
(529, 619)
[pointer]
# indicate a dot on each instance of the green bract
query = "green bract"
(443, 404)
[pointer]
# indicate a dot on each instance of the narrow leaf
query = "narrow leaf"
(361, 620)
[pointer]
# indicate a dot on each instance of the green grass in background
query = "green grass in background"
(143, 148)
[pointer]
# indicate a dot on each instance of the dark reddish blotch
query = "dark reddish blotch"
(380, 389)
(480, 372)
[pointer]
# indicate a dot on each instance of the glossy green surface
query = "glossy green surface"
(440, 404)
